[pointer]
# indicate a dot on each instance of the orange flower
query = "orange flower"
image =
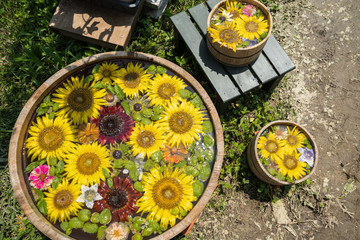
(88, 133)
(174, 154)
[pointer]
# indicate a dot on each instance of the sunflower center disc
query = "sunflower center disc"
(292, 140)
(146, 139)
(290, 162)
(88, 163)
(117, 198)
(51, 138)
(80, 99)
(63, 199)
(167, 193)
(109, 97)
(132, 80)
(251, 26)
(90, 195)
(271, 146)
(234, 13)
(180, 122)
(228, 36)
(111, 125)
(106, 73)
(137, 106)
(117, 154)
(166, 91)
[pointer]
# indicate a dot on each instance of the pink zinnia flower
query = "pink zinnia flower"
(249, 10)
(40, 177)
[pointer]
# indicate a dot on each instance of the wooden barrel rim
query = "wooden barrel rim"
(253, 2)
(17, 141)
(307, 134)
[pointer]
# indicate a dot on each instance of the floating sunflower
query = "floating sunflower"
(166, 194)
(119, 151)
(120, 199)
(133, 80)
(163, 90)
(226, 34)
(251, 27)
(290, 165)
(107, 73)
(232, 8)
(61, 202)
(50, 138)
(293, 141)
(87, 133)
(139, 104)
(269, 147)
(114, 124)
(79, 100)
(182, 123)
(111, 99)
(85, 163)
(174, 154)
(146, 139)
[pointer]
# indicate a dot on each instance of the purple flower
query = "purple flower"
(252, 42)
(307, 155)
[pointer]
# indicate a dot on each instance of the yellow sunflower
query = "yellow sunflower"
(133, 80)
(270, 147)
(166, 195)
(107, 73)
(146, 139)
(164, 89)
(251, 27)
(293, 141)
(84, 164)
(182, 123)
(289, 164)
(50, 138)
(61, 202)
(232, 8)
(79, 100)
(226, 34)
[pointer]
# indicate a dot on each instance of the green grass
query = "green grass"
(30, 53)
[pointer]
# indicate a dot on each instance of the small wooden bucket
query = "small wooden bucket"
(257, 167)
(242, 56)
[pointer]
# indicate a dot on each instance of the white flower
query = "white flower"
(89, 195)
(117, 231)
(222, 17)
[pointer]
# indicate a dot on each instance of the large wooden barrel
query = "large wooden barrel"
(242, 56)
(16, 148)
(258, 168)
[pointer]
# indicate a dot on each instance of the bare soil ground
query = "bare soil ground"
(322, 39)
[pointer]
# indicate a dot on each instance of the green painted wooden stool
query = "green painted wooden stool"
(230, 82)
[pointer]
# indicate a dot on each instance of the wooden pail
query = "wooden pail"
(257, 167)
(242, 56)
(17, 142)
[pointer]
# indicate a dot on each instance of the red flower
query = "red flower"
(114, 124)
(174, 154)
(120, 200)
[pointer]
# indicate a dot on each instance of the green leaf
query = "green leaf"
(207, 127)
(96, 69)
(47, 99)
(39, 193)
(184, 93)
(51, 115)
(89, 78)
(42, 206)
(31, 166)
(53, 161)
(126, 106)
(99, 85)
(160, 70)
(55, 107)
(41, 111)
(111, 89)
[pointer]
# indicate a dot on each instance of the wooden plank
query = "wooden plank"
(100, 25)
(277, 56)
(212, 3)
(243, 78)
(200, 14)
(263, 69)
(212, 69)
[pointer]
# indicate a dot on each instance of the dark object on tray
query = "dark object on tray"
(129, 5)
